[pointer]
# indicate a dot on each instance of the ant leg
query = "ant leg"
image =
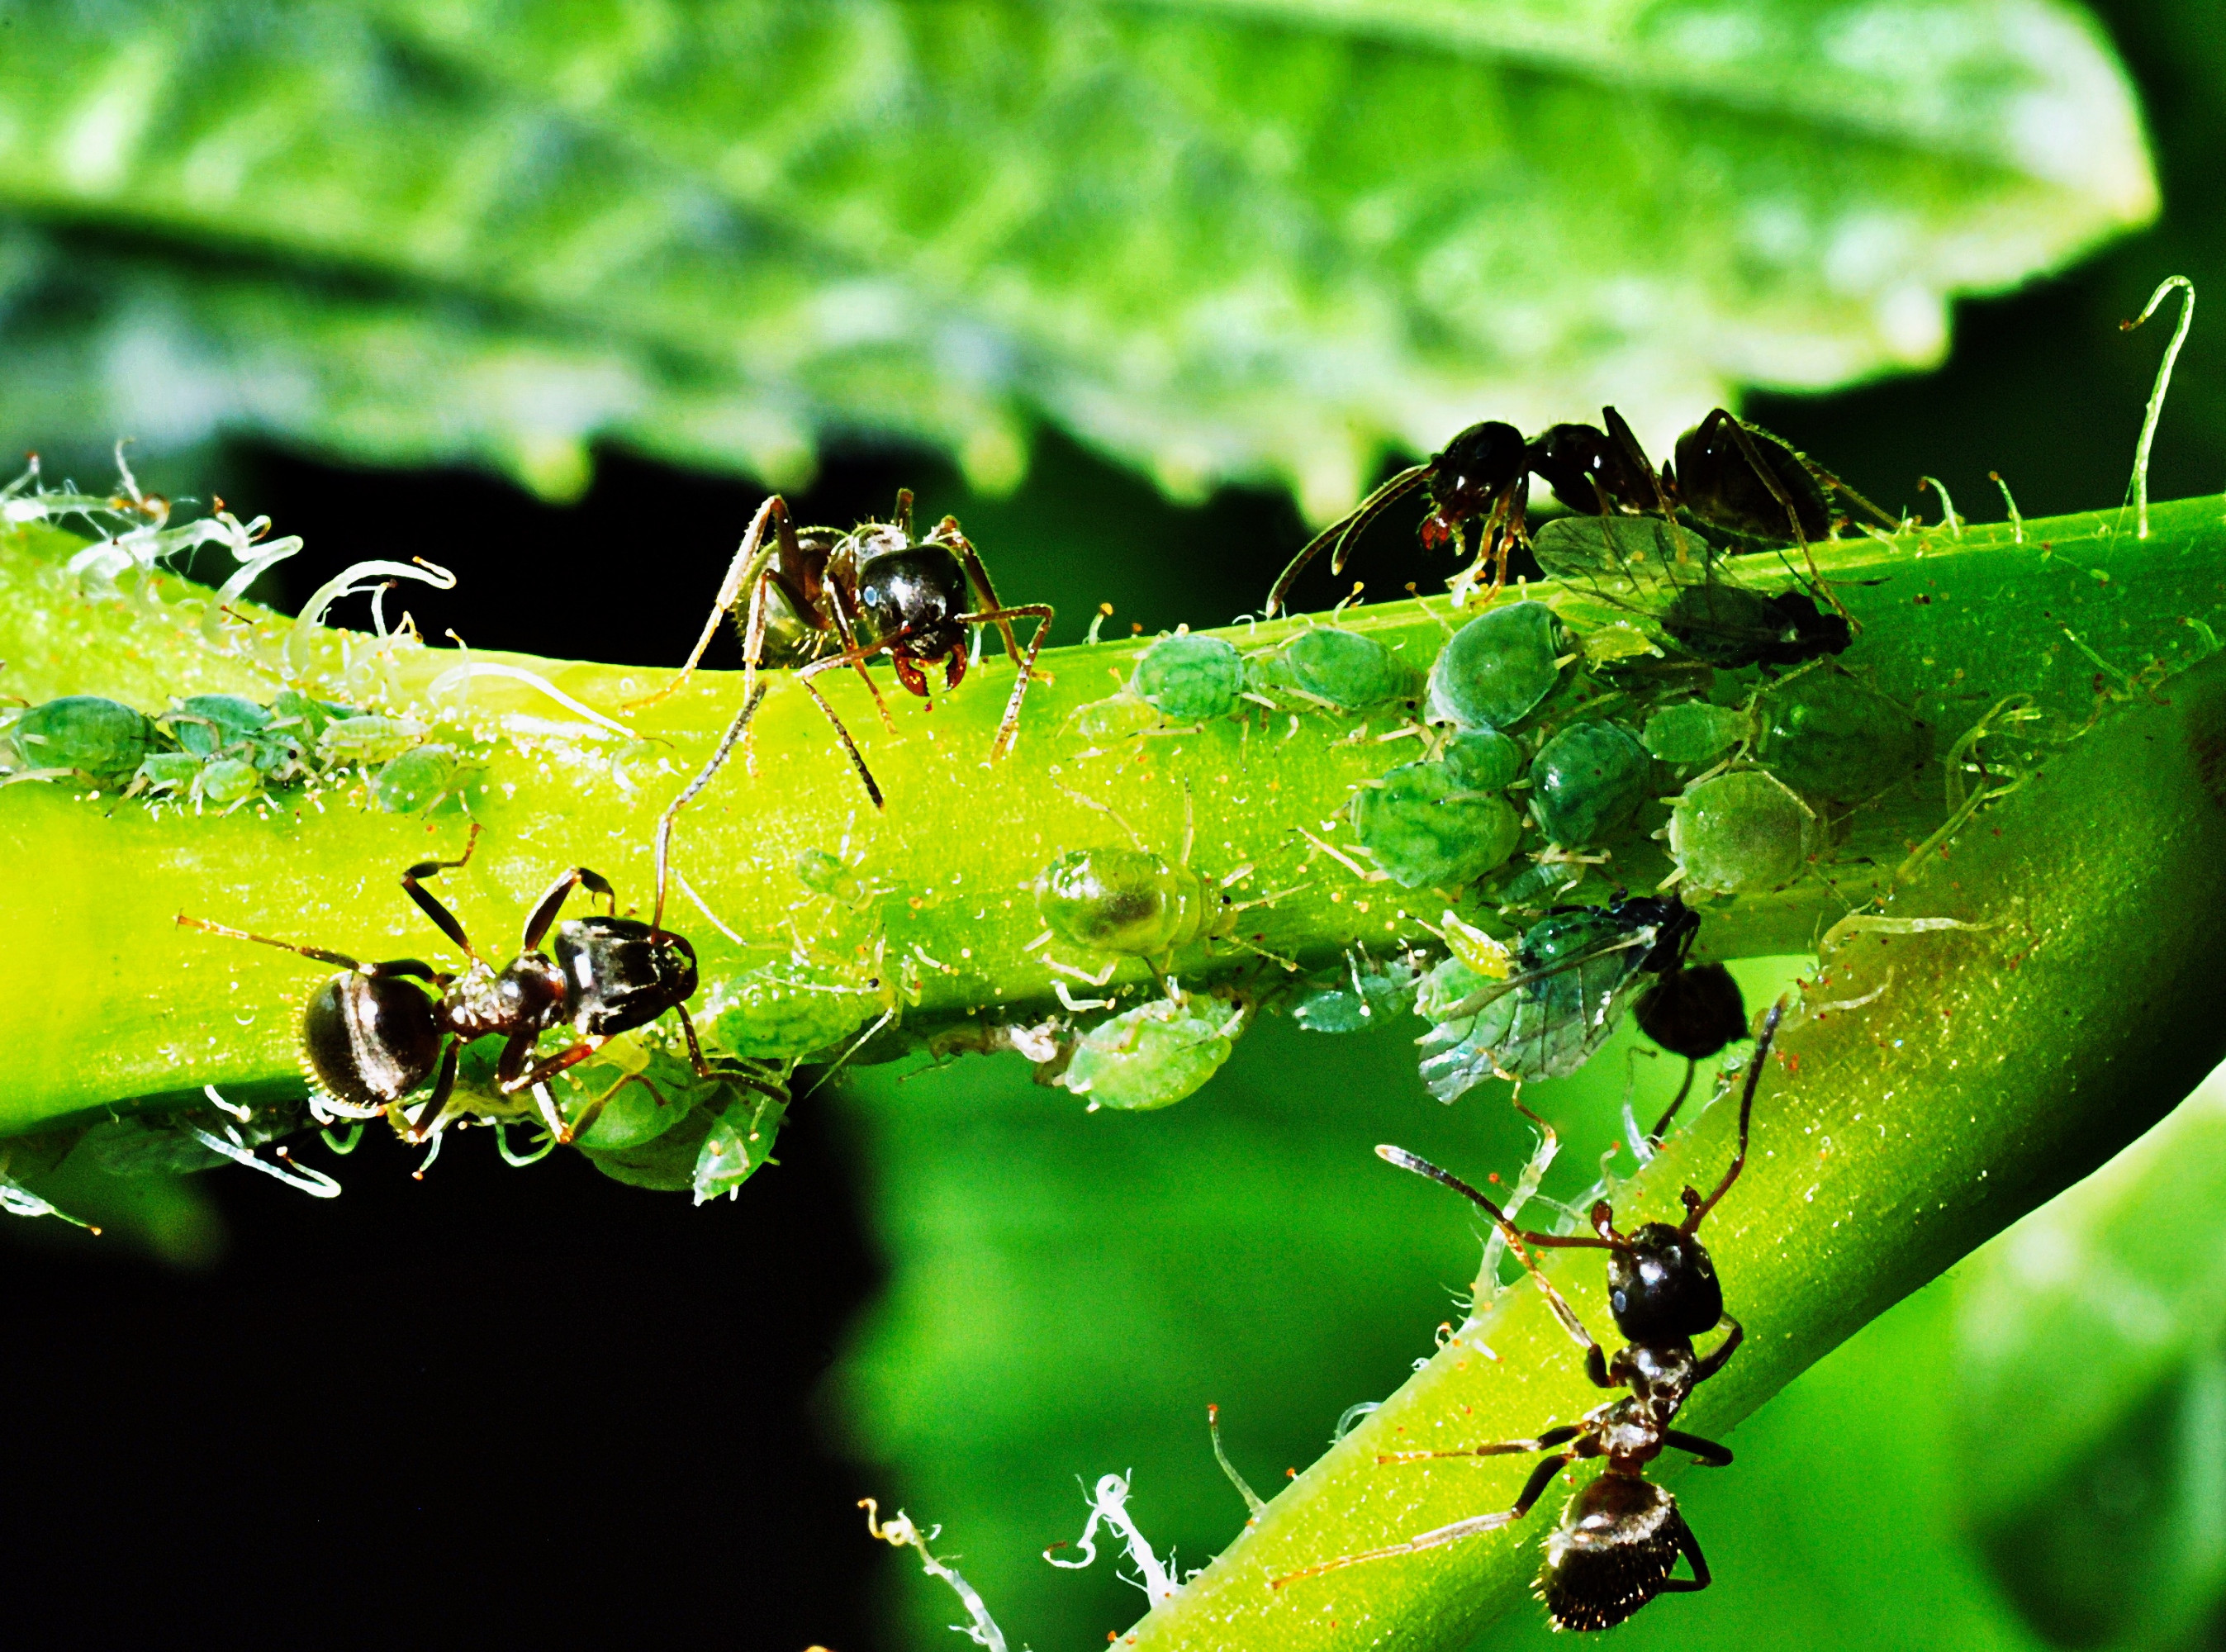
(1545, 1442)
(1662, 1125)
(1520, 1242)
(544, 913)
(1041, 614)
(1696, 1211)
(996, 611)
(594, 1109)
(703, 778)
(1842, 488)
(1720, 1357)
(843, 592)
(703, 1069)
(750, 561)
(1748, 451)
(1710, 1453)
(443, 919)
(317, 952)
(444, 1086)
(1689, 1546)
(1533, 1489)
(848, 657)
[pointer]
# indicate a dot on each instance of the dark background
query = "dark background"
(360, 1389)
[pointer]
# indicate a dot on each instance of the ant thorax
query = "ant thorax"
(1660, 1376)
(528, 993)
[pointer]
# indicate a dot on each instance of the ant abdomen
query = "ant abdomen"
(1611, 1552)
(370, 1039)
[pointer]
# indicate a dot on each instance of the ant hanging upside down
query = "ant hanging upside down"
(1620, 1536)
(374, 1033)
(1727, 474)
(875, 590)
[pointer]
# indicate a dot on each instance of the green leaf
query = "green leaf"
(2105, 1521)
(1222, 240)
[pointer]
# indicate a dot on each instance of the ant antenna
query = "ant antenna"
(1697, 1209)
(316, 952)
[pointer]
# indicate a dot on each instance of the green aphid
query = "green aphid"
(1740, 833)
(351, 740)
(783, 1015)
(665, 1163)
(1828, 736)
(1343, 670)
(1116, 717)
(1367, 995)
(1587, 782)
(167, 774)
(207, 724)
(1695, 731)
(229, 780)
(85, 735)
(630, 1092)
(1483, 759)
(740, 1143)
(1190, 678)
(425, 778)
(1428, 830)
(306, 717)
(1128, 901)
(1153, 1056)
(1497, 667)
(829, 875)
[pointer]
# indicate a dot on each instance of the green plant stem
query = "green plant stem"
(135, 1007)
(1997, 1064)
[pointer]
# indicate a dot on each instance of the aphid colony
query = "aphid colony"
(222, 751)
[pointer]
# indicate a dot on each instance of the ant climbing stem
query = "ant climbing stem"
(1620, 1536)
(824, 600)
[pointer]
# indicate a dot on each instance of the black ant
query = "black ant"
(371, 1034)
(1729, 474)
(1620, 1536)
(875, 590)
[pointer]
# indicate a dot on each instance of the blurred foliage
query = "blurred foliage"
(1219, 240)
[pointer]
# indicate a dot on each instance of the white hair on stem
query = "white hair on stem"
(900, 1533)
(1110, 1504)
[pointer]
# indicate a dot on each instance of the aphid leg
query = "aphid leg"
(1689, 1546)
(1715, 1456)
(1545, 1442)
(1041, 614)
(1533, 1489)
(443, 919)
(1697, 1211)
(545, 910)
(1520, 1242)
(702, 779)
(749, 563)
(428, 1116)
(848, 656)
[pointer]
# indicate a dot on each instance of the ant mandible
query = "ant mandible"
(1621, 1536)
(875, 590)
(373, 1033)
(1727, 472)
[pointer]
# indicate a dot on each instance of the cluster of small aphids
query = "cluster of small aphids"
(222, 751)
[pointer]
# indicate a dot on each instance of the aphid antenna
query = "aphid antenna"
(1136, 840)
(843, 1060)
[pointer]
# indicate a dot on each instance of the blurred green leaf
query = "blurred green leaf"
(1222, 240)
(2092, 1393)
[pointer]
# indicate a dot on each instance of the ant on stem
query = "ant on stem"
(876, 590)
(1619, 1535)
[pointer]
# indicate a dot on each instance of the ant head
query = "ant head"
(1662, 1285)
(914, 591)
(1476, 468)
